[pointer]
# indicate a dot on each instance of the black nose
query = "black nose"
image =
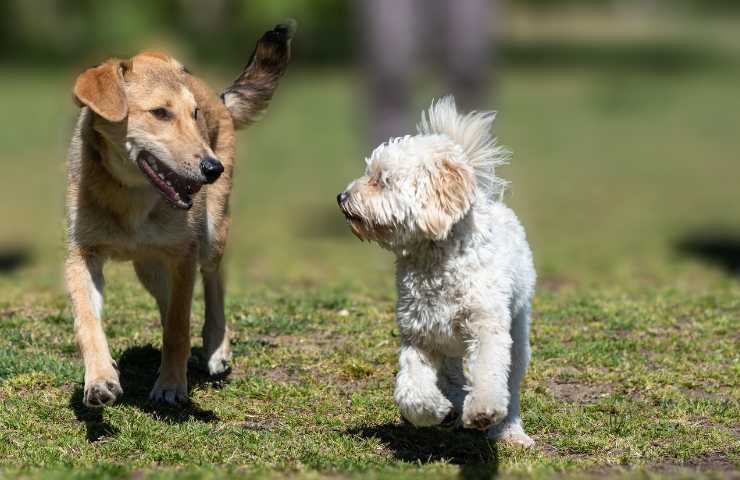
(211, 169)
(342, 197)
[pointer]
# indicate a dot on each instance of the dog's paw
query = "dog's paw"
(511, 434)
(101, 392)
(169, 391)
(481, 413)
(218, 362)
(423, 415)
(423, 408)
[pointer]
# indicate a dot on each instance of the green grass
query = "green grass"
(620, 179)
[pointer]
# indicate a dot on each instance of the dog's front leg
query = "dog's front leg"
(84, 280)
(486, 366)
(417, 394)
(172, 384)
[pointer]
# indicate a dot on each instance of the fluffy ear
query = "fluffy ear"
(452, 192)
(101, 89)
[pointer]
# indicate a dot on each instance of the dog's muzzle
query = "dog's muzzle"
(342, 198)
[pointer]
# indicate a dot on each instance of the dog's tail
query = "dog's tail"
(473, 132)
(248, 97)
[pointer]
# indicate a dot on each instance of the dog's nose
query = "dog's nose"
(342, 197)
(211, 169)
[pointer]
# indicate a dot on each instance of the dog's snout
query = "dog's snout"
(211, 169)
(342, 197)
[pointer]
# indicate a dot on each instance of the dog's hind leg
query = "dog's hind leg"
(84, 279)
(155, 277)
(216, 347)
(217, 350)
(511, 429)
(172, 384)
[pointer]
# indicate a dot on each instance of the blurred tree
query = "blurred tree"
(453, 38)
(60, 31)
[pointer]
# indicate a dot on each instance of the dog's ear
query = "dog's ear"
(101, 89)
(452, 193)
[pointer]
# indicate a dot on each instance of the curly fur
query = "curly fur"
(465, 275)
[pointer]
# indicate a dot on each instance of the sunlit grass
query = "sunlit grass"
(634, 341)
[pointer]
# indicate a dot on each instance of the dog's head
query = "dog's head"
(414, 188)
(152, 125)
(417, 188)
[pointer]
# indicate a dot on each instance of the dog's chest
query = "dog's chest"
(431, 310)
(162, 229)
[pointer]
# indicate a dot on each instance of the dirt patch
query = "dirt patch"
(713, 462)
(722, 394)
(577, 392)
(718, 462)
(310, 361)
(311, 342)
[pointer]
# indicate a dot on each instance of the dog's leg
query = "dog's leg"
(511, 430)
(418, 393)
(172, 384)
(84, 280)
(486, 366)
(155, 277)
(215, 332)
(216, 348)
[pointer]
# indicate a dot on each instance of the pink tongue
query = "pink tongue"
(161, 184)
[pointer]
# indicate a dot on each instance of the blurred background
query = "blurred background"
(623, 117)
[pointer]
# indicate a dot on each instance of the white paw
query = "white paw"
(169, 391)
(218, 362)
(481, 411)
(512, 434)
(422, 408)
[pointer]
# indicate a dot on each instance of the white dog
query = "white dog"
(465, 275)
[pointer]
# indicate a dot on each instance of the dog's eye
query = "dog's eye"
(195, 113)
(161, 113)
(375, 181)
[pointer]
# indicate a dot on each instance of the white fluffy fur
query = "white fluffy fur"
(465, 275)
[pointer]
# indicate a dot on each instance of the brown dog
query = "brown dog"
(150, 172)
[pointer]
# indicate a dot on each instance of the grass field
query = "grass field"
(627, 182)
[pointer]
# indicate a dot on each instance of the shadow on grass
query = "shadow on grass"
(717, 247)
(13, 258)
(138, 371)
(476, 455)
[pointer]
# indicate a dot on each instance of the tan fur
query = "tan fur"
(114, 211)
(100, 88)
(452, 194)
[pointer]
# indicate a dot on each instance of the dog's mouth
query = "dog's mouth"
(174, 188)
(356, 224)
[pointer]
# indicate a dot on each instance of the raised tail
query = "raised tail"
(248, 97)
